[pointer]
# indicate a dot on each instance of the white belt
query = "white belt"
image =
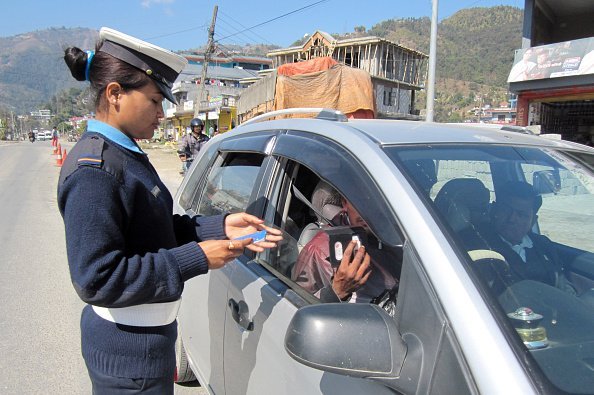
(150, 314)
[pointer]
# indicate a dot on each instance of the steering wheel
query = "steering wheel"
(492, 268)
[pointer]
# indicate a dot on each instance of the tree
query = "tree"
(81, 127)
(64, 127)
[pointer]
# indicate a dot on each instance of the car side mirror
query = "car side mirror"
(358, 340)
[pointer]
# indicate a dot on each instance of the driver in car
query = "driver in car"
(529, 256)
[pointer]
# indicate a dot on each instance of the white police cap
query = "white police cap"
(161, 65)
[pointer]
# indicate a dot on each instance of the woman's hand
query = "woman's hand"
(351, 275)
(241, 224)
(219, 252)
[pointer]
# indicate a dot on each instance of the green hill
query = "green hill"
(32, 68)
(475, 51)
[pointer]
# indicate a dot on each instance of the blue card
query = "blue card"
(257, 236)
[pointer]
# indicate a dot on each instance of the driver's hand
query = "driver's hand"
(352, 272)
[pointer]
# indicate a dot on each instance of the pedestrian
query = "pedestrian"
(128, 254)
(55, 137)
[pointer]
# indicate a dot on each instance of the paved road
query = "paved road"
(39, 312)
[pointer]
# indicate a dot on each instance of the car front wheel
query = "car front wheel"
(183, 372)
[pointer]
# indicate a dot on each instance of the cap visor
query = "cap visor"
(165, 91)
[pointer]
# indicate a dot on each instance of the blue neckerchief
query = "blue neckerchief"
(114, 135)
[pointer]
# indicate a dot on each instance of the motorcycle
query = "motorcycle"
(186, 161)
(31, 138)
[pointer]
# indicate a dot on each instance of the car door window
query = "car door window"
(293, 196)
(189, 191)
(229, 184)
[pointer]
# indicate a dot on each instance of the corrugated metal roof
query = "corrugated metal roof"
(193, 71)
(230, 59)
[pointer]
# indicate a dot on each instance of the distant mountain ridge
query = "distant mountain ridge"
(32, 67)
(475, 45)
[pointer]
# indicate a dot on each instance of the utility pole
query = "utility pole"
(13, 128)
(207, 54)
(432, 64)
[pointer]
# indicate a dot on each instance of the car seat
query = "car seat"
(464, 202)
(327, 201)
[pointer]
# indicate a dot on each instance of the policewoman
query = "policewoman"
(128, 255)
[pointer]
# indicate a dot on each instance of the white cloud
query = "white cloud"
(148, 3)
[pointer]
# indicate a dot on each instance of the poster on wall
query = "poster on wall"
(564, 59)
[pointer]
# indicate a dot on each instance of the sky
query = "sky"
(183, 24)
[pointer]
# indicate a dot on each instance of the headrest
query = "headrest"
(327, 200)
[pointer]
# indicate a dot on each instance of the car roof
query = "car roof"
(399, 132)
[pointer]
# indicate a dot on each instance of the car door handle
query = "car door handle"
(239, 312)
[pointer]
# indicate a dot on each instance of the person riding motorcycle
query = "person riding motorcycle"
(192, 143)
(31, 136)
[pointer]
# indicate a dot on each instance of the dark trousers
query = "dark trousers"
(108, 385)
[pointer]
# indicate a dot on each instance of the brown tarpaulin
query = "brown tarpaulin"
(340, 87)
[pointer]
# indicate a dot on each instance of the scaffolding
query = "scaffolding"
(396, 71)
(379, 57)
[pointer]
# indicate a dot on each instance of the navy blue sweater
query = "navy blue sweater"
(126, 248)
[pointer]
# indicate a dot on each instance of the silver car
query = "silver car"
(472, 313)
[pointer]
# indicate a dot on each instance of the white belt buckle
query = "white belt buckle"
(149, 314)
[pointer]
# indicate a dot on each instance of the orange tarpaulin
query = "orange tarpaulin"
(340, 87)
(310, 66)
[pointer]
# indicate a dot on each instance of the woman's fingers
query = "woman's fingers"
(237, 246)
(242, 224)
(219, 252)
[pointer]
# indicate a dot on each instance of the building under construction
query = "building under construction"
(396, 73)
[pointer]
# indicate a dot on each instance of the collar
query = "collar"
(114, 135)
(520, 248)
(525, 243)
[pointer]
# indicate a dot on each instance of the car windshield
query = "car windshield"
(524, 218)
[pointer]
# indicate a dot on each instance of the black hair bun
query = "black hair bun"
(76, 60)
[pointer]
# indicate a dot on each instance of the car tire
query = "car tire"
(183, 372)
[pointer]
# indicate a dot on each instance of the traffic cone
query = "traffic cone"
(64, 156)
(55, 151)
(59, 159)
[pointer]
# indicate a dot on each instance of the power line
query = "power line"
(276, 18)
(228, 31)
(178, 32)
(239, 23)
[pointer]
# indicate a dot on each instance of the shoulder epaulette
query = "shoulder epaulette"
(94, 151)
(91, 152)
